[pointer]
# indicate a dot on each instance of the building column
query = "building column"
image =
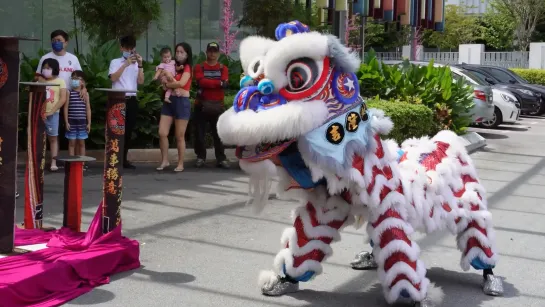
(406, 52)
(537, 56)
(471, 54)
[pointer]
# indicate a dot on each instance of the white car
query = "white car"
(506, 109)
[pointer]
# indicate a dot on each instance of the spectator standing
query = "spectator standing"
(77, 115)
(67, 64)
(55, 100)
(212, 79)
(178, 110)
(126, 73)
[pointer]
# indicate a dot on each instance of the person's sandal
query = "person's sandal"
(163, 166)
(179, 169)
(54, 168)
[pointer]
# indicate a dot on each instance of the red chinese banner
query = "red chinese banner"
(115, 132)
(36, 146)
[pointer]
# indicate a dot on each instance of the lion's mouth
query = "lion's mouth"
(262, 151)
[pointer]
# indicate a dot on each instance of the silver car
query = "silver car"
(482, 96)
(483, 109)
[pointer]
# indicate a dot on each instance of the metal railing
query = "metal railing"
(515, 59)
(450, 58)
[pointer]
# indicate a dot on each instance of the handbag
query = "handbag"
(212, 107)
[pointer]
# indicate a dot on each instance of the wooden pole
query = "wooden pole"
(36, 140)
(115, 142)
(73, 190)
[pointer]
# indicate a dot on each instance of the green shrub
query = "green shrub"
(431, 86)
(410, 120)
(229, 99)
(534, 76)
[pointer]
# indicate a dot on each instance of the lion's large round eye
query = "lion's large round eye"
(301, 73)
(256, 68)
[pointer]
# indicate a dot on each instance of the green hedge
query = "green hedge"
(410, 120)
(534, 76)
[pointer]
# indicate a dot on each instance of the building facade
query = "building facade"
(477, 7)
(194, 21)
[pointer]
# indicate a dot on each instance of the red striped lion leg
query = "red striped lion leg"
(476, 238)
(400, 271)
(307, 244)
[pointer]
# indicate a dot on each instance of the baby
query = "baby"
(166, 71)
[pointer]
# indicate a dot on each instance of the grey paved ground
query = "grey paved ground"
(201, 247)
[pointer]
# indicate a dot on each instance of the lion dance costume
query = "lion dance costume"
(299, 117)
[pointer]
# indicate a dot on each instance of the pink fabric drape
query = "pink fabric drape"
(73, 264)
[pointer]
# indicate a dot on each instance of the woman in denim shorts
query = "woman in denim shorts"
(179, 108)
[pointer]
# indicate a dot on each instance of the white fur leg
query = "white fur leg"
(260, 182)
(267, 279)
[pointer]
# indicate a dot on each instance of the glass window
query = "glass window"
(502, 76)
(480, 75)
(161, 34)
(23, 18)
(461, 78)
(188, 24)
(477, 78)
(513, 75)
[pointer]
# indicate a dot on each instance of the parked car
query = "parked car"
(530, 96)
(506, 109)
(483, 109)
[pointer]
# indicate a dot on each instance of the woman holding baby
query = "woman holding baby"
(175, 75)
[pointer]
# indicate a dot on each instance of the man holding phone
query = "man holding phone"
(126, 73)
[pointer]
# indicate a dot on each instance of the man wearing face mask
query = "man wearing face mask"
(126, 73)
(68, 62)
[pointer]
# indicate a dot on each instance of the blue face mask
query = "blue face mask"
(57, 46)
(75, 83)
(126, 54)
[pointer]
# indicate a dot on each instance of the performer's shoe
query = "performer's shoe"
(493, 285)
(364, 261)
(279, 286)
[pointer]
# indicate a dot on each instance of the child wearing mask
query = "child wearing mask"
(77, 115)
(55, 100)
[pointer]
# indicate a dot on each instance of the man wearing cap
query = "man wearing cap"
(212, 79)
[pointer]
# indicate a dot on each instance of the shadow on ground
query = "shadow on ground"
(460, 289)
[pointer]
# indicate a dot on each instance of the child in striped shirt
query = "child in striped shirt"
(77, 116)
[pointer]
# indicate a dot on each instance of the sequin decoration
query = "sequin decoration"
(345, 87)
(116, 119)
(3, 73)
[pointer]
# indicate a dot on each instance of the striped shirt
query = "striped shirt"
(77, 111)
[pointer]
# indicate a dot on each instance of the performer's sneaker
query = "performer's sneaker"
(493, 285)
(364, 261)
(279, 286)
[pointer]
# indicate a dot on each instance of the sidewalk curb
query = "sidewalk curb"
(148, 155)
(471, 140)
